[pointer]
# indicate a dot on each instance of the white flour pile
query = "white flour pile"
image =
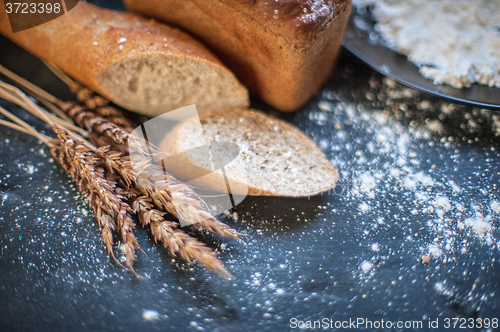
(456, 42)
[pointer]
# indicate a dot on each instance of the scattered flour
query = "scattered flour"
(150, 315)
(421, 196)
(280, 292)
(434, 250)
(478, 225)
(367, 182)
(442, 202)
(495, 206)
(366, 267)
(364, 207)
(399, 186)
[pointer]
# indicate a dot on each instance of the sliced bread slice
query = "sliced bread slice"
(275, 158)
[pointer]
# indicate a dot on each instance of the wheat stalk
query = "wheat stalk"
(61, 155)
(85, 96)
(165, 231)
(76, 157)
(177, 198)
(94, 169)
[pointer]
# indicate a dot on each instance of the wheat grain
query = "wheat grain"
(190, 205)
(178, 242)
(177, 198)
(167, 232)
(107, 202)
(92, 172)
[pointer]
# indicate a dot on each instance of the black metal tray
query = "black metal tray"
(365, 44)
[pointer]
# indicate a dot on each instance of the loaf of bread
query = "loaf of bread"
(274, 158)
(135, 62)
(282, 50)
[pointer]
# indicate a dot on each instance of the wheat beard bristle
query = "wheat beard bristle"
(101, 106)
(104, 197)
(167, 232)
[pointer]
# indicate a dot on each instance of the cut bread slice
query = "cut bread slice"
(275, 158)
(137, 63)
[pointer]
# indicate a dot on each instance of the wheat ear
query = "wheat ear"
(162, 230)
(187, 202)
(182, 200)
(177, 241)
(76, 157)
(177, 198)
(105, 222)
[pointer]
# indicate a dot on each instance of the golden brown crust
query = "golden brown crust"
(88, 39)
(281, 57)
(298, 21)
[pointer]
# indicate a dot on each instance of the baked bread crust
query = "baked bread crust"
(88, 40)
(283, 51)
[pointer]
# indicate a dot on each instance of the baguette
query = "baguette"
(139, 64)
(283, 51)
(278, 159)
